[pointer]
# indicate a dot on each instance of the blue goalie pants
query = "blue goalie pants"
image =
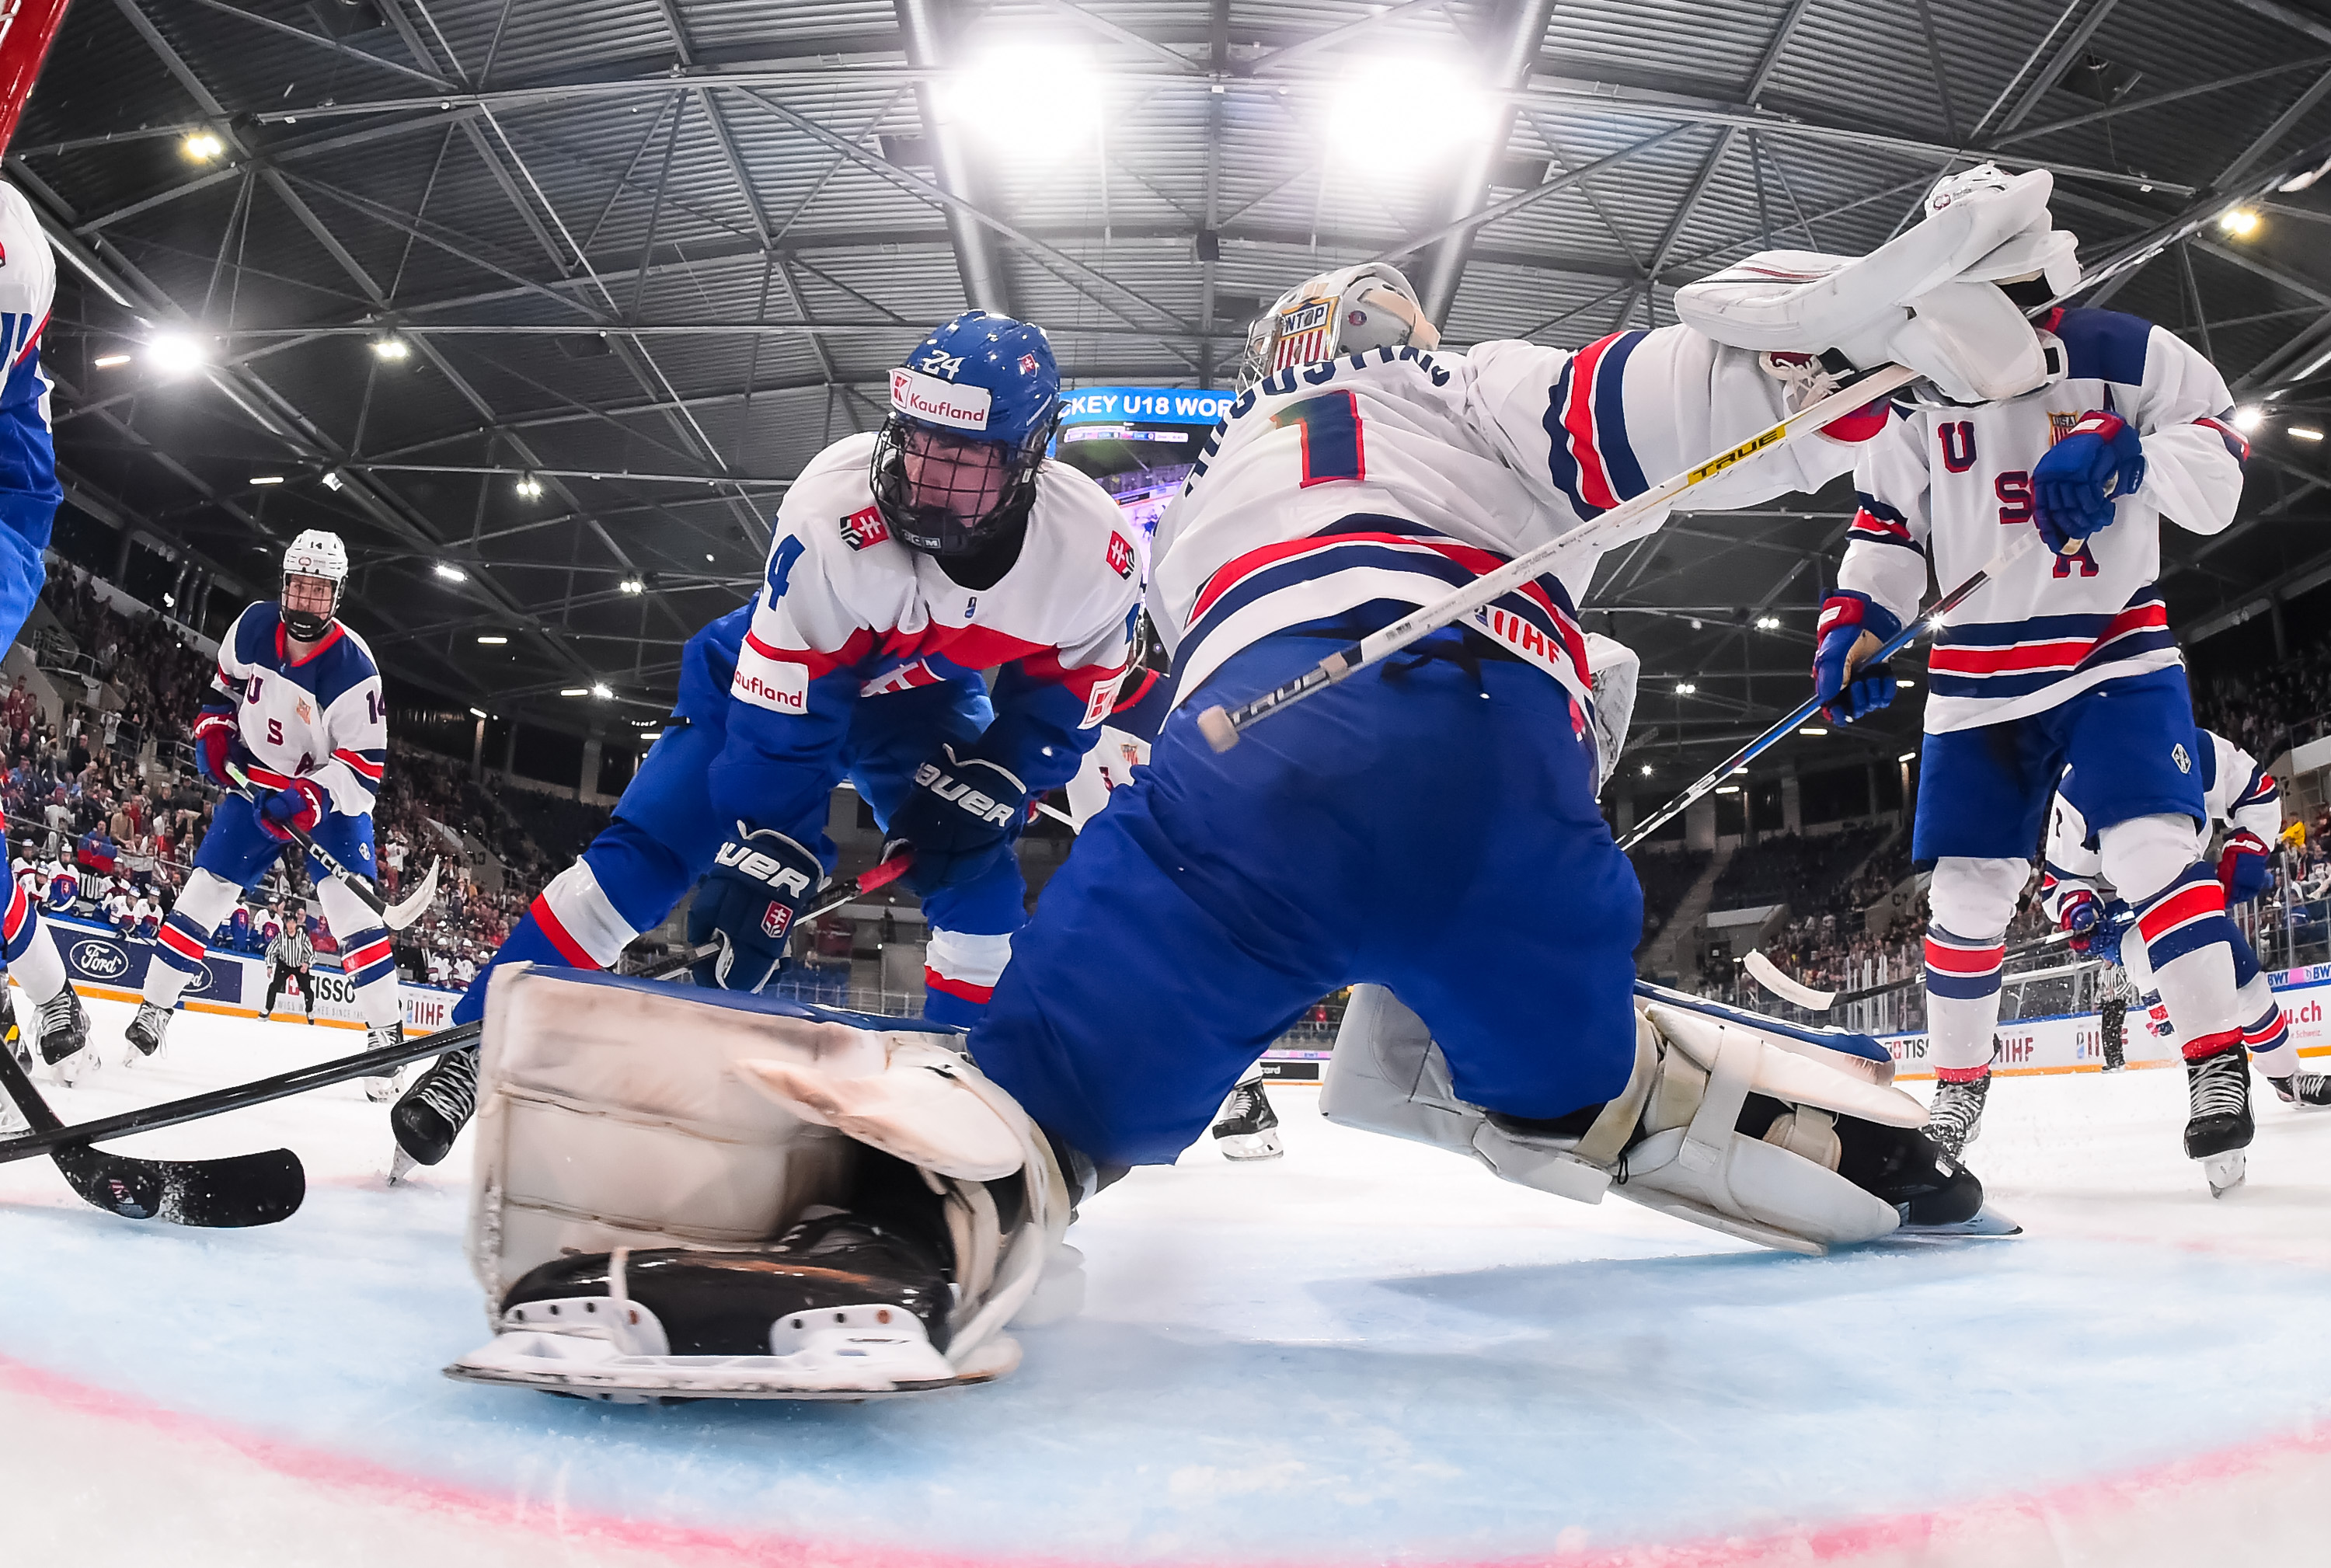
(665, 832)
(1428, 824)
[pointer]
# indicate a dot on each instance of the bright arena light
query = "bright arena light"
(1768, 623)
(1685, 688)
(1647, 770)
(451, 573)
(2247, 418)
(2240, 222)
(1405, 114)
(107, 361)
(528, 486)
(574, 691)
(600, 690)
(391, 348)
(174, 353)
(1031, 101)
(2305, 433)
(633, 585)
(202, 146)
(491, 641)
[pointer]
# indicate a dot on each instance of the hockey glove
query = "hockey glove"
(214, 733)
(1852, 627)
(2243, 868)
(2074, 484)
(747, 903)
(2081, 914)
(299, 804)
(2113, 923)
(960, 818)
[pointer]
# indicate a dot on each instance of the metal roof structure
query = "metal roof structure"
(640, 259)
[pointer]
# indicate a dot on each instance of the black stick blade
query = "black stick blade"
(219, 1194)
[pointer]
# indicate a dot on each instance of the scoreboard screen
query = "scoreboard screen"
(1139, 444)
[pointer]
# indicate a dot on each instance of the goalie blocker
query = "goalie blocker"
(774, 1201)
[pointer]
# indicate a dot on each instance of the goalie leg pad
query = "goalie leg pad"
(632, 1132)
(1718, 1125)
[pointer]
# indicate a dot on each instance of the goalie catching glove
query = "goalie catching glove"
(1752, 1132)
(773, 1202)
(1930, 298)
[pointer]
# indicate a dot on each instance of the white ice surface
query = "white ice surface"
(1366, 1352)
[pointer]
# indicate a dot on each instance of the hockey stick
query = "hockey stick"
(2133, 253)
(1778, 981)
(240, 1190)
(1222, 727)
(398, 917)
(48, 1136)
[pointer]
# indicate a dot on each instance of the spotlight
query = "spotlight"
(528, 486)
(492, 640)
(477, 713)
(1727, 789)
(391, 348)
(633, 585)
(1034, 101)
(574, 691)
(2305, 433)
(1647, 770)
(2247, 418)
(450, 571)
(1907, 757)
(109, 361)
(1685, 688)
(1405, 114)
(267, 478)
(174, 353)
(2241, 223)
(600, 691)
(1768, 623)
(1812, 729)
(202, 146)
(332, 480)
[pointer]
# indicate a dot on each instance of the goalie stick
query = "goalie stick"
(2133, 254)
(395, 916)
(241, 1185)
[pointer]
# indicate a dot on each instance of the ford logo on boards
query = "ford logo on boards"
(100, 960)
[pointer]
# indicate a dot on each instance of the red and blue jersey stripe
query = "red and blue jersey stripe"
(2009, 659)
(1876, 523)
(1591, 459)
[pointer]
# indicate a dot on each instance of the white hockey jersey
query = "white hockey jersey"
(843, 599)
(1395, 475)
(1948, 487)
(2236, 791)
(321, 718)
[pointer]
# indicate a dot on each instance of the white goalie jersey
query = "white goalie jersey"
(1395, 475)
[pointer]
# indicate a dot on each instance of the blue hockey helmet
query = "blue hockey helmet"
(971, 411)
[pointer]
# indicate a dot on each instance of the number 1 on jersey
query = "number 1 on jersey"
(1332, 447)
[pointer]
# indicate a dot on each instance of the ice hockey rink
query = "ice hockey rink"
(1366, 1352)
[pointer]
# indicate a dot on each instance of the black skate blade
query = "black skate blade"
(232, 1193)
(1987, 1222)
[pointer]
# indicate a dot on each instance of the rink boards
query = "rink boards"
(2074, 1043)
(103, 962)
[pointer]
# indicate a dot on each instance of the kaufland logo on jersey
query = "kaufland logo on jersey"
(935, 402)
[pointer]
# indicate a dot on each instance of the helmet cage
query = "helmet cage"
(308, 625)
(946, 519)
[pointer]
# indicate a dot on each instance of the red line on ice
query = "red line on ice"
(1959, 1526)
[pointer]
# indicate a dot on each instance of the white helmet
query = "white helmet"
(315, 553)
(1346, 312)
(2034, 256)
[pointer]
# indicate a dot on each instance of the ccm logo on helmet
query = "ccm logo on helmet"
(764, 869)
(984, 807)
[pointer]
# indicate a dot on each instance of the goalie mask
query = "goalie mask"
(1348, 311)
(315, 572)
(971, 412)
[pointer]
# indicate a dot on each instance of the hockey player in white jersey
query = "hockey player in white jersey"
(2066, 657)
(297, 703)
(2081, 899)
(1428, 823)
(28, 494)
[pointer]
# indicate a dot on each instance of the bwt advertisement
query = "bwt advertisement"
(103, 962)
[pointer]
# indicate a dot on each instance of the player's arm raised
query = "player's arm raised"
(2173, 444)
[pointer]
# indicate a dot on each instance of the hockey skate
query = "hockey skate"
(2306, 1090)
(64, 1037)
(1246, 1127)
(20, 1044)
(2218, 1127)
(380, 1090)
(146, 1033)
(435, 1109)
(1954, 1120)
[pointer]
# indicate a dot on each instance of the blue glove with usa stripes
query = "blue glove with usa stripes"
(2076, 484)
(1852, 627)
(214, 738)
(747, 903)
(2245, 869)
(299, 804)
